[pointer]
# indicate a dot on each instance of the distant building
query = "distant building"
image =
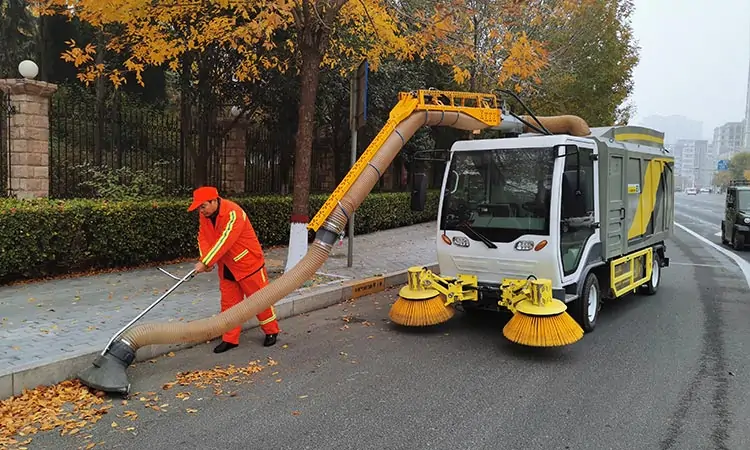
(728, 138)
(694, 162)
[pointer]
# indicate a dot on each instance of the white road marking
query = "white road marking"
(718, 234)
(743, 265)
(695, 265)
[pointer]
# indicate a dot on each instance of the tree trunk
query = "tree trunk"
(310, 77)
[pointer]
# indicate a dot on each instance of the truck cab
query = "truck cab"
(735, 228)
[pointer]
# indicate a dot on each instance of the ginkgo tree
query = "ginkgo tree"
(307, 36)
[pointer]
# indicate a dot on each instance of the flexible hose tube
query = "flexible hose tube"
(208, 328)
(572, 125)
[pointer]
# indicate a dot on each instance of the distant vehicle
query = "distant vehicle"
(735, 227)
(691, 191)
(705, 190)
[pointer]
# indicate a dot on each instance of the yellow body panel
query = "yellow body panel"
(625, 272)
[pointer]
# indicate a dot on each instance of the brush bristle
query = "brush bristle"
(543, 331)
(420, 313)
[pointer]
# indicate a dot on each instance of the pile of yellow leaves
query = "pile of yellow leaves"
(68, 405)
(216, 376)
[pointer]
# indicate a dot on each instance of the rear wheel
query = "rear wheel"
(585, 309)
(652, 285)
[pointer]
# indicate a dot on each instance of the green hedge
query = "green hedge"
(41, 238)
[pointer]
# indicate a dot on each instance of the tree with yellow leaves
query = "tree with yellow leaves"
(309, 36)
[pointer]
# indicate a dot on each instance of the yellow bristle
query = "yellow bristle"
(420, 313)
(543, 331)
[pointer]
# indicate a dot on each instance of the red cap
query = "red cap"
(203, 194)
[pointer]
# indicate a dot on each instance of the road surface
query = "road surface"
(663, 372)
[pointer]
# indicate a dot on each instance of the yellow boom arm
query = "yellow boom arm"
(483, 107)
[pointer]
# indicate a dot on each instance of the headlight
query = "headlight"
(746, 220)
(524, 246)
(461, 241)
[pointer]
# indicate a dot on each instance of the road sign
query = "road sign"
(722, 165)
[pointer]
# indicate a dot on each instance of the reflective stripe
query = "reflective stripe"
(223, 239)
(241, 255)
(263, 274)
(270, 319)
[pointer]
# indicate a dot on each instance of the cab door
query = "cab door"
(579, 211)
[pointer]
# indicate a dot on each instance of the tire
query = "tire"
(653, 284)
(723, 235)
(738, 242)
(585, 309)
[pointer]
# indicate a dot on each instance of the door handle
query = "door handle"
(622, 213)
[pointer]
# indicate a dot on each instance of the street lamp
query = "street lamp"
(28, 69)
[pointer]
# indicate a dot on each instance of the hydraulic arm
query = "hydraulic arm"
(483, 107)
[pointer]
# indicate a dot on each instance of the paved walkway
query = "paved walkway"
(45, 320)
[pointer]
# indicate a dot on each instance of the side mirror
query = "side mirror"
(419, 192)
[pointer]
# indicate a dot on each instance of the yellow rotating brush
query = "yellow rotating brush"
(539, 319)
(418, 306)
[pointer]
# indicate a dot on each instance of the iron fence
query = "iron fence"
(6, 111)
(126, 146)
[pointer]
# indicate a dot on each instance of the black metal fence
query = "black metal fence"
(6, 110)
(125, 147)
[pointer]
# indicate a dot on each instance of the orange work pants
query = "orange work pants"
(233, 292)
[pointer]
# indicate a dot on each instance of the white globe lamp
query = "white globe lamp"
(28, 69)
(235, 111)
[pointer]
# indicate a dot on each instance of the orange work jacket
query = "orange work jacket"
(232, 242)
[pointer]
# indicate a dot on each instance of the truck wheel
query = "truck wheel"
(652, 286)
(723, 235)
(585, 309)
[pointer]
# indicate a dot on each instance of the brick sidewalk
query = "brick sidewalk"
(48, 320)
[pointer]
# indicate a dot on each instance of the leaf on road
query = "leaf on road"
(296, 413)
(191, 410)
(170, 354)
(68, 406)
(215, 377)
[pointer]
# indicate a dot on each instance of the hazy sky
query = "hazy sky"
(694, 59)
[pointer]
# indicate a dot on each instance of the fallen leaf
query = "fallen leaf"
(170, 354)
(285, 346)
(303, 396)
(296, 413)
(114, 424)
(191, 410)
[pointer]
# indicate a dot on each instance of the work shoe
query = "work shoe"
(270, 340)
(224, 346)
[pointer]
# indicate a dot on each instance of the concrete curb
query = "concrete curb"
(56, 370)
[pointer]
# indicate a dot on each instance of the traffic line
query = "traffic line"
(743, 265)
(718, 234)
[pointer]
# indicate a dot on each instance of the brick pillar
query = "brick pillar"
(29, 137)
(233, 158)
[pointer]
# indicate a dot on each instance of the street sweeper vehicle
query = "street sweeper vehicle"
(539, 223)
(486, 238)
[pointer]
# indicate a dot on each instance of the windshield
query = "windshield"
(743, 200)
(502, 194)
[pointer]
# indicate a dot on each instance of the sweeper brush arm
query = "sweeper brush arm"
(464, 111)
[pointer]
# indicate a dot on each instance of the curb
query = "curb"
(54, 371)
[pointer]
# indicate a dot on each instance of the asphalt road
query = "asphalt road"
(663, 372)
(703, 214)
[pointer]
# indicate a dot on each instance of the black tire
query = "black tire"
(579, 308)
(652, 286)
(738, 241)
(724, 239)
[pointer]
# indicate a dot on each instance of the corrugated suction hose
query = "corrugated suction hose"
(572, 125)
(206, 329)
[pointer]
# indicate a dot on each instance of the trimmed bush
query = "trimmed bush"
(45, 237)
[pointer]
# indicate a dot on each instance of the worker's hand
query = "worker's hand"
(200, 267)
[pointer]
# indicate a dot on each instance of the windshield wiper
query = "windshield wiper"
(477, 234)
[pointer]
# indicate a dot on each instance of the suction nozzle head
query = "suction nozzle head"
(108, 371)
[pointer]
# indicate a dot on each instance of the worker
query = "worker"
(226, 238)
